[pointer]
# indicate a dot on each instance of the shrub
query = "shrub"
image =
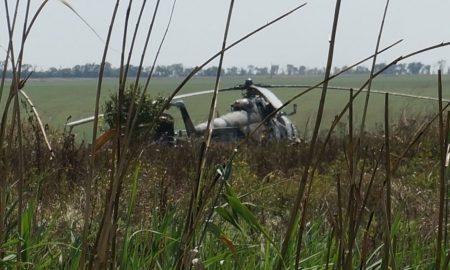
(146, 117)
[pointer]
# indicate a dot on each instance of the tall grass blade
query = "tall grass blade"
(442, 193)
(388, 208)
(301, 189)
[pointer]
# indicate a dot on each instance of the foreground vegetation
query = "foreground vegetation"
(249, 217)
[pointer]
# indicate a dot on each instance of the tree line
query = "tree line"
(91, 70)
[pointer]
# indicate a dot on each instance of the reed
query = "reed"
(387, 260)
(442, 192)
(194, 205)
(303, 182)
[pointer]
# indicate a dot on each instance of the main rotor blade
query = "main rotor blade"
(83, 121)
(206, 92)
(381, 92)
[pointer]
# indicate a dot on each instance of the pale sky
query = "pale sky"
(60, 39)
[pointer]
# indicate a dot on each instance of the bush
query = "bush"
(146, 117)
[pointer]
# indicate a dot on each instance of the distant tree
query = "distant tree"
(379, 67)
(251, 70)
(262, 71)
(233, 71)
(301, 70)
(415, 67)
(401, 69)
(162, 71)
(243, 72)
(290, 70)
(274, 70)
(426, 70)
(361, 70)
(176, 70)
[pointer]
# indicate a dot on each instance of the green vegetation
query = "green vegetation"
(246, 229)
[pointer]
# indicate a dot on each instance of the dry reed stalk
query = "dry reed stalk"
(301, 229)
(117, 145)
(40, 123)
(14, 71)
(341, 239)
(88, 203)
(131, 121)
(301, 189)
(447, 133)
(364, 248)
(147, 40)
(351, 202)
(388, 208)
(116, 183)
(5, 63)
(442, 192)
(369, 86)
(14, 94)
(114, 190)
(112, 202)
(130, 52)
(194, 205)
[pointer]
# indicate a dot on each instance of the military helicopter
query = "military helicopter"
(245, 115)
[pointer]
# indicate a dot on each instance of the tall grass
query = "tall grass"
(327, 203)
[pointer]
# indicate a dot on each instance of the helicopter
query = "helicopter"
(244, 117)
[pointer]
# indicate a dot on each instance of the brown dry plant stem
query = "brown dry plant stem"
(352, 204)
(301, 189)
(369, 86)
(3, 177)
(88, 201)
(111, 205)
(447, 133)
(131, 121)
(388, 208)
(147, 40)
(8, 51)
(117, 145)
(442, 192)
(16, 112)
(194, 205)
(39, 120)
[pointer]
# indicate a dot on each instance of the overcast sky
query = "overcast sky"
(60, 39)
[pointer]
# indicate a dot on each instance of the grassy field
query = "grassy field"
(243, 215)
(57, 99)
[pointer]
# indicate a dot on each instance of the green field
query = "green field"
(57, 99)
